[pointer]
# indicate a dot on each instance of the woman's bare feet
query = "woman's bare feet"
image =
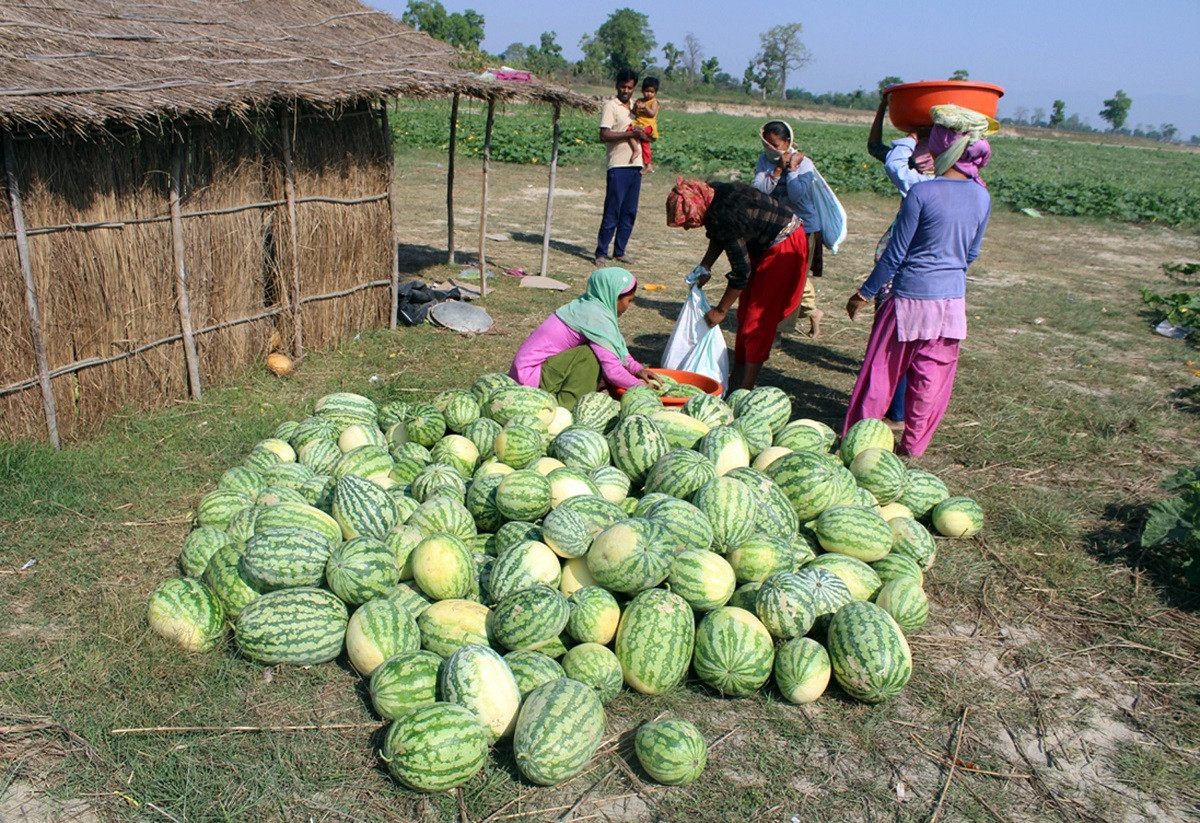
(814, 320)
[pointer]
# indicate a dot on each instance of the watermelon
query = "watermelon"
(458, 407)
(223, 577)
(241, 479)
(881, 473)
(199, 547)
(636, 444)
(730, 508)
(404, 681)
(478, 679)
(799, 436)
(410, 597)
(596, 411)
(559, 728)
(773, 514)
(507, 402)
(303, 626)
(450, 624)
(746, 596)
(443, 514)
(786, 605)
(654, 641)
(868, 433)
(629, 556)
(756, 432)
(523, 495)
(516, 532)
(185, 611)
(438, 479)
(768, 404)
(710, 410)
(273, 495)
(802, 670)
(299, 515)
(483, 387)
(640, 399)
(912, 540)
(378, 630)
(523, 566)
(923, 491)
(672, 751)
(442, 566)
(362, 508)
(596, 510)
(829, 591)
(895, 566)
(769, 455)
(957, 517)
(436, 747)
(346, 408)
(313, 428)
(518, 446)
(567, 532)
(809, 481)
(889, 510)
(483, 432)
(532, 669)
(734, 651)
(357, 435)
(361, 569)
(458, 452)
(403, 540)
(726, 449)
(594, 615)
(528, 619)
(580, 448)
(324, 457)
(703, 578)
(562, 420)
(860, 578)
(423, 424)
(681, 430)
(566, 483)
(612, 483)
(905, 600)
(218, 507)
(481, 502)
(679, 473)
(575, 576)
(851, 530)
(595, 665)
(683, 526)
(760, 556)
(868, 654)
(283, 557)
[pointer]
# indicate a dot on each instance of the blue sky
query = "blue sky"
(1081, 52)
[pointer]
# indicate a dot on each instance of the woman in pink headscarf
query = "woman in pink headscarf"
(936, 236)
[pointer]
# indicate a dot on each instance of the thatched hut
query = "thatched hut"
(184, 179)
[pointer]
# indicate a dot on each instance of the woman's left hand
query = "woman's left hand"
(714, 316)
(855, 303)
(649, 378)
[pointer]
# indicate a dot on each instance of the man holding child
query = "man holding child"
(623, 143)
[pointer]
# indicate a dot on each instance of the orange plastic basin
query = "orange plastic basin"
(700, 381)
(909, 103)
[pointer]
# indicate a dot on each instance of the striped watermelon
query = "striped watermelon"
(809, 481)
(318, 491)
(320, 456)
(285, 430)
(905, 600)
(241, 479)
(378, 630)
(451, 624)
(273, 495)
(301, 627)
(481, 502)
(654, 641)
(423, 424)
(314, 428)
(912, 540)
(803, 550)
(756, 432)
(241, 527)
(594, 615)
(802, 670)
(518, 445)
(629, 556)
(482, 388)
(596, 411)
(682, 431)
(282, 557)
(679, 473)
(402, 540)
(438, 479)
(860, 578)
(768, 404)
(895, 566)
(567, 532)
(523, 495)
(457, 451)
(532, 669)
(404, 681)
(391, 413)
(786, 605)
(580, 448)
(799, 436)
(734, 652)
(769, 455)
(357, 435)
(829, 592)
(218, 507)
(881, 473)
(443, 514)
(362, 508)
(442, 566)
(957, 517)
(478, 679)
(566, 483)
(703, 578)
(636, 444)
(672, 751)
(612, 483)
(851, 530)
(346, 408)
(730, 508)
(746, 596)
(223, 577)
(923, 492)
(726, 449)
(640, 399)
(186, 612)
(545, 465)
(523, 566)
(559, 728)
(575, 576)
(868, 433)
(458, 407)
(361, 569)
(516, 532)
(683, 525)
(710, 410)
(410, 597)
(483, 432)
(528, 619)
(774, 515)
(595, 665)
(894, 509)
(434, 748)
(599, 512)
(507, 402)
(868, 654)
(760, 556)
(298, 515)
(199, 547)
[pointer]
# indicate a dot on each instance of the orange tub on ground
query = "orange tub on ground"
(700, 381)
(909, 103)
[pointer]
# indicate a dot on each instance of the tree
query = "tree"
(890, 80)
(673, 56)
(1058, 113)
(763, 73)
(782, 50)
(547, 58)
(624, 40)
(693, 57)
(960, 74)
(1116, 109)
(463, 31)
(1168, 131)
(709, 70)
(1039, 117)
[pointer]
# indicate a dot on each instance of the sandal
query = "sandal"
(628, 261)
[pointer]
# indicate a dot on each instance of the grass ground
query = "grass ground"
(1057, 679)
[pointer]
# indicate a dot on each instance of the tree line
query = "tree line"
(625, 40)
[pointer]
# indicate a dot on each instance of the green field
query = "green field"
(1053, 176)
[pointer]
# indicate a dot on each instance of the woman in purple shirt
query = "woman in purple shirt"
(580, 344)
(936, 237)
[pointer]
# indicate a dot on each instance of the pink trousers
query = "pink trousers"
(929, 365)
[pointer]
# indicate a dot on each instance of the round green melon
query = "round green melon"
(868, 654)
(654, 642)
(442, 566)
(448, 625)
(786, 605)
(532, 669)
(905, 600)
(559, 728)
(522, 566)
(802, 670)
(597, 666)
(855, 531)
(594, 616)
(185, 611)
(435, 748)
(629, 556)
(302, 627)
(868, 433)
(734, 651)
(528, 619)
(923, 491)
(361, 569)
(703, 578)
(404, 681)
(523, 495)
(672, 751)
(477, 678)
(881, 473)
(378, 630)
(912, 540)
(957, 517)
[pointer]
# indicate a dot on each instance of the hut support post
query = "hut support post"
(487, 162)
(31, 304)
(450, 180)
(550, 193)
(393, 209)
(182, 303)
(293, 232)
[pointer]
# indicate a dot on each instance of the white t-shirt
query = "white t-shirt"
(618, 116)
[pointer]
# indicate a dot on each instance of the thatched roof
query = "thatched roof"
(78, 64)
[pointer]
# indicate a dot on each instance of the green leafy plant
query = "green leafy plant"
(1178, 309)
(1175, 522)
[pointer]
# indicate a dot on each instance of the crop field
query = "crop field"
(1058, 677)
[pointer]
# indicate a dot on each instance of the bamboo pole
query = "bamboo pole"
(182, 303)
(550, 193)
(393, 211)
(487, 163)
(293, 230)
(31, 303)
(450, 180)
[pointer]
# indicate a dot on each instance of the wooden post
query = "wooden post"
(393, 210)
(550, 193)
(182, 303)
(289, 185)
(31, 304)
(450, 180)
(487, 162)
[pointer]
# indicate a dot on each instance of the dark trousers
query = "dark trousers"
(621, 195)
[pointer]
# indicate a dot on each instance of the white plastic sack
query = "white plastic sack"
(693, 346)
(830, 213)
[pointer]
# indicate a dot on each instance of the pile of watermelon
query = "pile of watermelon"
(500, 568)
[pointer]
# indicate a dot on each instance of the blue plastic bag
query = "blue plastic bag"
(830, 213)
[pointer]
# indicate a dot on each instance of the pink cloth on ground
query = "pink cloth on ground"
(930, 319)
(930, 366)
(554, 337)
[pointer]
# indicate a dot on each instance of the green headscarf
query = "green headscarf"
(594, 313)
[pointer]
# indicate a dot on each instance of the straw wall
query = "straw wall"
(106, 291)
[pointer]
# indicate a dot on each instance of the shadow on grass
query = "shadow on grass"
(1119, 541)
(557, 245)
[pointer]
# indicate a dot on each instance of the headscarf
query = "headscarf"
(775, 154)
(688, 202)
(594, 313)
(957, 140)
